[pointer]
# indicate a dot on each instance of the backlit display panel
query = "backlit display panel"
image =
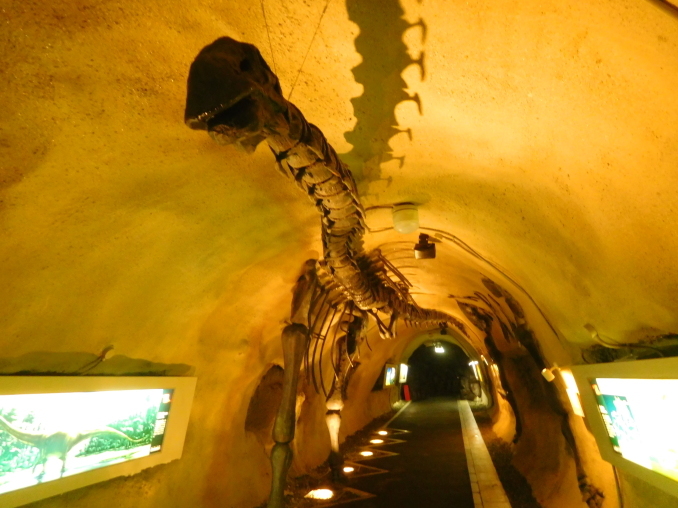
(49, 436)
(640, 417)
(389, 375)
(403, 373)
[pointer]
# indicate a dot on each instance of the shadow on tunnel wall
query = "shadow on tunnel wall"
(385, 57)
(44, 363)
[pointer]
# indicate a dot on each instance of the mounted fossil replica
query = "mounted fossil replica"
(57, 444)
(234, 96)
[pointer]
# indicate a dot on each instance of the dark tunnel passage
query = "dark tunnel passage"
(437, 370)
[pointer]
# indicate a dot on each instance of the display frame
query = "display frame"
(394, 381)
(403, 371)
(662, 368)
(174, 435)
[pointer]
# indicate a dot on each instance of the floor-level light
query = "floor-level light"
(320, 494)
(382, 433)
(366, 454)
(349, 469)
(376, 441)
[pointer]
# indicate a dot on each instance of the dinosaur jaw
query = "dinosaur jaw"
(240, 123)
(233, 95)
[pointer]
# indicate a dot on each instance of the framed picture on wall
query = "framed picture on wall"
(389, 374)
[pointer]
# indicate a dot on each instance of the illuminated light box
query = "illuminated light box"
(632, 409)
(403, 373)
(63, 433)
(389, 375)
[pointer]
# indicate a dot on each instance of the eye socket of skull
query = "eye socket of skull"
(245, 65)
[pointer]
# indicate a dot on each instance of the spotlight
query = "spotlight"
(349, 469)
(366, 454)
(376, 441)
(549, 373)
(439, 348)
(320, 494)
(424, 249)
(382, 433)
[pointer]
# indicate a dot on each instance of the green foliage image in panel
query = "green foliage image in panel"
(45, 437)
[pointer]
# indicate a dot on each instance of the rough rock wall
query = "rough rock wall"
(547, 142)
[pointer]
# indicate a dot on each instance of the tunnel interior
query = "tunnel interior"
(437, 373)
(532, 142)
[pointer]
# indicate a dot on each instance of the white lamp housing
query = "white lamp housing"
(405, 218)
(549, 374)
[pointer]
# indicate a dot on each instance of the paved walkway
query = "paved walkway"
(427, 464)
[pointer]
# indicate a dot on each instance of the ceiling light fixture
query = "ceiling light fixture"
(405, 218)
(424, 249)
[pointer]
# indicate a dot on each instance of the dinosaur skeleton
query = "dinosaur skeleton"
(234, 96)
(57, 444)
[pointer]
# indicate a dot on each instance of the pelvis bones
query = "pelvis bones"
(236, 98)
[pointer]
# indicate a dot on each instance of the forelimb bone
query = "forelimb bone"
(295, 339)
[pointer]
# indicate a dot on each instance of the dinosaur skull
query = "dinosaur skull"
(233, 95)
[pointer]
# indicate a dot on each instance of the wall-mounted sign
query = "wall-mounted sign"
(640, 417)
(632, 410)
(61, 433)
(403, 373)
(389, 374)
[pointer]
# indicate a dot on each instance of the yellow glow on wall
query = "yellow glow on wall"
(476, 370)
(572, 392)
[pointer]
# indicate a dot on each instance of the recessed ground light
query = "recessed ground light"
(382, 433)
(349, 469)
(320, 494)
(366, 454)
(376, 441)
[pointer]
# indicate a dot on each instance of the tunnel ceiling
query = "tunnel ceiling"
(542, 134)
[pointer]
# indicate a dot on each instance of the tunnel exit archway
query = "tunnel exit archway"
(436, 373)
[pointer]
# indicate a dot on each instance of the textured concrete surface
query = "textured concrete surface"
(488, 492)
(430, 468)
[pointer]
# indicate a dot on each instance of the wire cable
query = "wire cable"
(268, 32)
(309, 49)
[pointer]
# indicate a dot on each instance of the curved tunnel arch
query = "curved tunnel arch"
(121, 225)
(452, 336)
